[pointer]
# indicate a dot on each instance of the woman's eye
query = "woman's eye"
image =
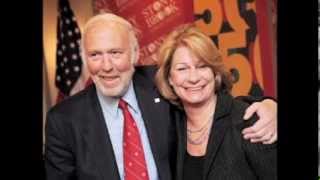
(181, 68)
(203, 66)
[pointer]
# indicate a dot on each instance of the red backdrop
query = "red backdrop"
(243, 31)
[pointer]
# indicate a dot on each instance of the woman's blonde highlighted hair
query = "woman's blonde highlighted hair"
(189, 36)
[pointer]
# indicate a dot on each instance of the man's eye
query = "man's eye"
(94, 54)
(116, 53)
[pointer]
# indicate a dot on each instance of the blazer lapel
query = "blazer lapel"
(97, 137)
(218, 131)
(180, 117)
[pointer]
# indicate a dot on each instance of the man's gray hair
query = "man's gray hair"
(109, 17)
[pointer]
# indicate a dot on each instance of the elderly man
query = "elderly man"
(120, 127)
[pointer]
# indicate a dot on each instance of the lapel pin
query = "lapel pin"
(156, 100)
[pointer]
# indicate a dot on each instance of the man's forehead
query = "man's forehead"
(113, 32)
(106, 38)
(107, 25)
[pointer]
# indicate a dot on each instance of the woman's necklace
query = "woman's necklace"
(205, 131)
(210, 119)
(199, 140)
(202, 128)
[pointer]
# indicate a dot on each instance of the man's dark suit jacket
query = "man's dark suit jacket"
(229, 156)
(77, 141)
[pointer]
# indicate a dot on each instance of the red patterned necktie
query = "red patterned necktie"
(135, 167)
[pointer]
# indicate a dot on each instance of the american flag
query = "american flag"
(69, 63)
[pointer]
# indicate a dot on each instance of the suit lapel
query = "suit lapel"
(97, 137)
(153, 113)
(218, 131)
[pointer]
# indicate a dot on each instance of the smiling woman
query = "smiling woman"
(187, 57)
(209, 123)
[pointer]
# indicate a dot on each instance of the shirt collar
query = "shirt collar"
(130, 98)
(110, 104)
